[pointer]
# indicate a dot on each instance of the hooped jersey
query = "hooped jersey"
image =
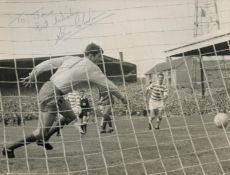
(157, 91)
(74, 99)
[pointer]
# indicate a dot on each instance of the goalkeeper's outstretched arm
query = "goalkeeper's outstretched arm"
(99, 79)
(40, 68)
(111, 87)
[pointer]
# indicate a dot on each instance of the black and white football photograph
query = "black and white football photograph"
(114, 87)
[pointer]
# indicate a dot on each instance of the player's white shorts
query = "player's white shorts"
(101, 108)
(153, 104)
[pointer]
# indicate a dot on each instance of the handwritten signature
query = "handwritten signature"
(38, 19)
(65, 34)
(68, 23)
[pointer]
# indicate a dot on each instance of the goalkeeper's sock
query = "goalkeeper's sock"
(48, 146)
(55, 128)
(29, 139)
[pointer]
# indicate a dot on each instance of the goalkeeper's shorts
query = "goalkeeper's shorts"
(51, 100)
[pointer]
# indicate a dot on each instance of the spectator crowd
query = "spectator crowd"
(17, 109)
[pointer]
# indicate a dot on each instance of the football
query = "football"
(221, 120)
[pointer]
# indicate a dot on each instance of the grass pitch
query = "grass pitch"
(181, 146)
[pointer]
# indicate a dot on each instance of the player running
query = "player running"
(72, 72)
(75, 103)
(105, 103)
(156, 94)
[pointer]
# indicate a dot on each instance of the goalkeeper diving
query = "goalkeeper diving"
(72, 73)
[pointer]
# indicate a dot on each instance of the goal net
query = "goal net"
(198, 81)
